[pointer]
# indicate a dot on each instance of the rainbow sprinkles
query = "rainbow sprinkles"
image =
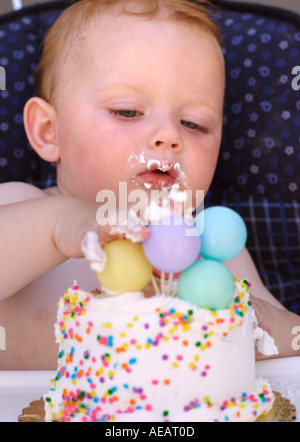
(101, 366)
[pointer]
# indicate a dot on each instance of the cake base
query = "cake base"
(282, 411)
(35, 412)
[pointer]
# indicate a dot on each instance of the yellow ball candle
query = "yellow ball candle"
(127, 269)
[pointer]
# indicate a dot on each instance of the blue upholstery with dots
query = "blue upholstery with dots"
(258, 170)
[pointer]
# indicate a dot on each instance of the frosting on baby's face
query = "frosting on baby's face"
(154, 167)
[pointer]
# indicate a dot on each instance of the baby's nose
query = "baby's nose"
(159, 143)
(166, 134)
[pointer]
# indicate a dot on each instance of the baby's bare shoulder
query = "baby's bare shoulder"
(15, 192)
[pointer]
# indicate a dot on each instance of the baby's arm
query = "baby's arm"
(271, 314)
(39, 232)
(31, 238)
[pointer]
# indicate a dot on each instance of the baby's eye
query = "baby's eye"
(125, 113)
(194, 126)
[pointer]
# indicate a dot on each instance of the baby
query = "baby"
(122, 85)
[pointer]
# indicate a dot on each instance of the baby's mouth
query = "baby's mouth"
(159, 175)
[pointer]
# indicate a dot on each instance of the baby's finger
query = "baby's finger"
(129, 226)
(135, 233)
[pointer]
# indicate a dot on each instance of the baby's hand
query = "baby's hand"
(264, 316)
(73, 237)
(265, 329)
(263, 312)
(93, 251)
(280, 324)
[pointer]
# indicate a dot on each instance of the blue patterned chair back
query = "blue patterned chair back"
(258, 170)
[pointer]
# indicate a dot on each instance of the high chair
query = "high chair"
(258, 169)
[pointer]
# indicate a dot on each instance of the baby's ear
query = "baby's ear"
(40, 126)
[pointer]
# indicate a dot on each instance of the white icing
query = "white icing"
(107, 293)
(136, 159)
(176, 194)
(265, 344)
(182, 178)
(134, 358)
(154, 212)
(131, 226)
(93, 252)
(213, 413)
(154, 163)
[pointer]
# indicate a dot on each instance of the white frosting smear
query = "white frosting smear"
(93, 252)
(130, 226)
(135, 159)
(174, 203)
(264, 343)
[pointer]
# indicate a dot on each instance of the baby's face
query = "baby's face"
(148, 97)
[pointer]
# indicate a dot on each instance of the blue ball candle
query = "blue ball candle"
(207, 283)
(224, 233)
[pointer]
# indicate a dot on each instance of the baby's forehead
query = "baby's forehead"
(98, 28)
(98, 38)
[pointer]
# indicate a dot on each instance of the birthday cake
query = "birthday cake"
(183, 355)
(127, 358)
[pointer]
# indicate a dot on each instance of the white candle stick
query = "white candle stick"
(174, 291)
(154, 284)
(162, 283)
(170, 283)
